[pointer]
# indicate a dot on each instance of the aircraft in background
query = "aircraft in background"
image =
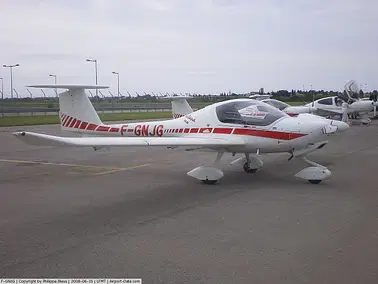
(245, 126)
(260, 96)
(334, 106)
(349, 99)
(290, 110)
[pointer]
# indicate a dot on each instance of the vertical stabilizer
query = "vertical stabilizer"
(76, 111)
(180, 107)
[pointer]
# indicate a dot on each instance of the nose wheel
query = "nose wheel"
(314, 181)
(206, 181)
(314, 174)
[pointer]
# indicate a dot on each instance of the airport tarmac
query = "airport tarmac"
(73, 212)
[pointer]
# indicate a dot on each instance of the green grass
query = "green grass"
(54, 119)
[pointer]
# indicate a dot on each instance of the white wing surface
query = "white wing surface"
(38, 139)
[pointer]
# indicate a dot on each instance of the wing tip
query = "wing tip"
(19, 133)
(67, 86)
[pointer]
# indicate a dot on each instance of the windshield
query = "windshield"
(248, 112)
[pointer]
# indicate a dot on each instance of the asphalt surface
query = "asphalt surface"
(135, 213)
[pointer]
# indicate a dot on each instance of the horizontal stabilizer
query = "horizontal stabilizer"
(51, 140)
(70, 87)
(175, 98)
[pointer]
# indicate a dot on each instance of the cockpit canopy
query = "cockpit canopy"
(248, 113)
(276, 103)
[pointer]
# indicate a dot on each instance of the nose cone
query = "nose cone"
(341, 125)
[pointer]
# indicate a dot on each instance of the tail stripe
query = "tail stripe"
(64, 120)
(77, 124)
(72, 123)
(91, 126)
(83, 125)
(68, 122)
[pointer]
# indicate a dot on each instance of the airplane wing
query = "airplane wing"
(38, 139)
(324, 112)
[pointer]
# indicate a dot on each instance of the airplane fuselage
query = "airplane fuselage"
(281, 136)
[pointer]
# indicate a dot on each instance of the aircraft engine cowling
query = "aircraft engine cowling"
(360, 106)
(298, 110)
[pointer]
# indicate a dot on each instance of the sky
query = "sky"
(195, 46)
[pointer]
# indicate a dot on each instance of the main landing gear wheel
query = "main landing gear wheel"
(209, 181)
(248, 170)
(314, 181)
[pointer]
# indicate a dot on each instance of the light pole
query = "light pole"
(53, 75)
(95, 62)
(313, 95)
(11, 77)
(117, 81)
(2, 97)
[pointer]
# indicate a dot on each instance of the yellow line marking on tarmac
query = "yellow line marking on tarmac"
(109, 169)
(122, 169)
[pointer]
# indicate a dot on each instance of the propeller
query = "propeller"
(352, 92)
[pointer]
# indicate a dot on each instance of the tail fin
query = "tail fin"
(76, 110)
(180, 106)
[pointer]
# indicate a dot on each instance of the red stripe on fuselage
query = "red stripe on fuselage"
(193, 130)
(103, 128)
(205, 130)
(114, 129)
(222, 130)
(268, 134)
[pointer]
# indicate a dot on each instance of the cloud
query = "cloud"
(192, 45)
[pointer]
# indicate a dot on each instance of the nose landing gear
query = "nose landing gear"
(314, 174)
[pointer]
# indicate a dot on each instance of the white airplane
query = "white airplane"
(290, 110)
(259, 96)
(327, 107)
(244, 126)
(332, 106)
